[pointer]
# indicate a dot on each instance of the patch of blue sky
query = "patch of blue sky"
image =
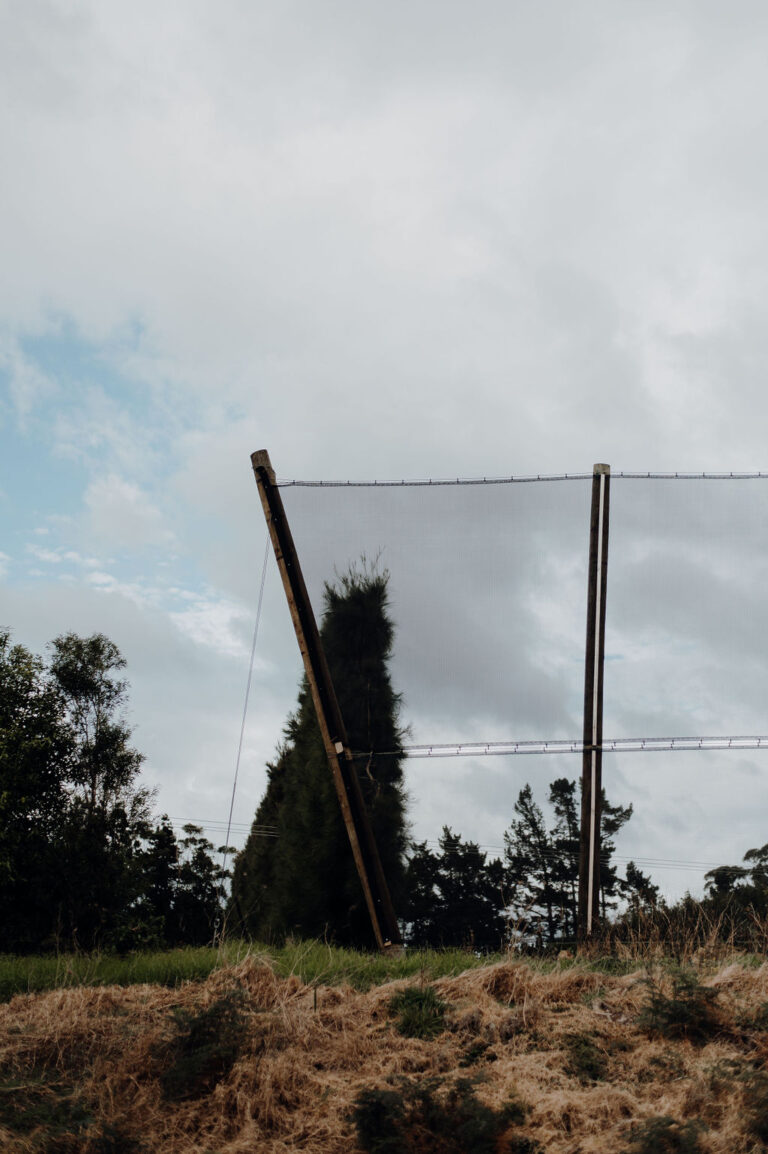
(84, 373)
(35, 487)
(68, 409)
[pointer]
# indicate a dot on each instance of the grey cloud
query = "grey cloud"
(412, 241)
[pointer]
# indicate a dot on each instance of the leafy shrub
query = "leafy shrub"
(41, 1102)
(379, 1116)
(420, 1012)
(54, 1118)
(756, 1104)
(664, 1135)
(688, 1013)
(424, 1118)
(757, 1019)
(476, 1053)
(585, 1060)
(205, 1047)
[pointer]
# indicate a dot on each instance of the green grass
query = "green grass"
(420, 1012)
(314, 962)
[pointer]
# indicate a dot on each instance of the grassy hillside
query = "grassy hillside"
(500, 1057)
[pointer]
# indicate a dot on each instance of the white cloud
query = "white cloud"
(61, 555)
(215, 624)
(28, 385)
(508, 242)
(122, 514)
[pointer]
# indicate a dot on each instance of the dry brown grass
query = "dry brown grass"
(309, 1052)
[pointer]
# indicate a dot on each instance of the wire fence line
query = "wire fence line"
(521, 480)
(608, 745)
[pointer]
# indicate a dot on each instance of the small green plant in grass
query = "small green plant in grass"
(689, 1012)
(664, 1135)
(420, 1012)
(42, 1102)
(585, 1061)
(756, 1103)
(51, 1117)
(205, 1046)
(475, 1053)
(756, 1019)
(379, 1116)
(429, 1118)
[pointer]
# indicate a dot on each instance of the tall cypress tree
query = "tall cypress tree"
(296, 874)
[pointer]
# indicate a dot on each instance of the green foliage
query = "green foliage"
(420, 1012)
(379, 1117)
(41, 1102)
(35, 747)
(688, 1012)
(542, 864)
(663, 1135)
(475, 1053)
(52, 1117)
(81, 865)
(296, 874)
(205, 1046)
(755, 1091)
(758, 1019)
(586, 1061)
(72, 807)
(315, 963)
(429, 1117)
(455, 896)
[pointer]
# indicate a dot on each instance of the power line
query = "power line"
(654, 863)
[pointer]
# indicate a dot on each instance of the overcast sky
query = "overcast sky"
(402, 241)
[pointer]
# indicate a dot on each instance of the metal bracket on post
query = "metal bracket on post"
(591, 776)
(361, 838)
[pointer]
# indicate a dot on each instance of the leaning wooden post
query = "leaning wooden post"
(591, 775)
(362, 841)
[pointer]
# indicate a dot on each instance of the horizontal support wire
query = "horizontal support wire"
(609, 745)
(523, 480)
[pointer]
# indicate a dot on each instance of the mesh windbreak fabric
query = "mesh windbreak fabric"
(488, 592)
(487, 587)
(687, 617)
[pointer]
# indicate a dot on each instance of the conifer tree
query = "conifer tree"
(455, 897)
(542, 865)
(301, 879)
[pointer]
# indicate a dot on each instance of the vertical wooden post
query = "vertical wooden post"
(362, 841)
(591, 774)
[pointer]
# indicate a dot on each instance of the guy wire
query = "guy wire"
(247, 695)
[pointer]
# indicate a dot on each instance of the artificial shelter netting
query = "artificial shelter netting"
(488, 587)
(488, 592)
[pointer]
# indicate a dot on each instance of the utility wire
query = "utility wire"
(562, 854)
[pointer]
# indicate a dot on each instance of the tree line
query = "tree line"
(84, 863)
(295, 875)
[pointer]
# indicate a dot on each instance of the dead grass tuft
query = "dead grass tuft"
(83, 1064)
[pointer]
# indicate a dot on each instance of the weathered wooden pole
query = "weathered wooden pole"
(356, 820)
(591, 774)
